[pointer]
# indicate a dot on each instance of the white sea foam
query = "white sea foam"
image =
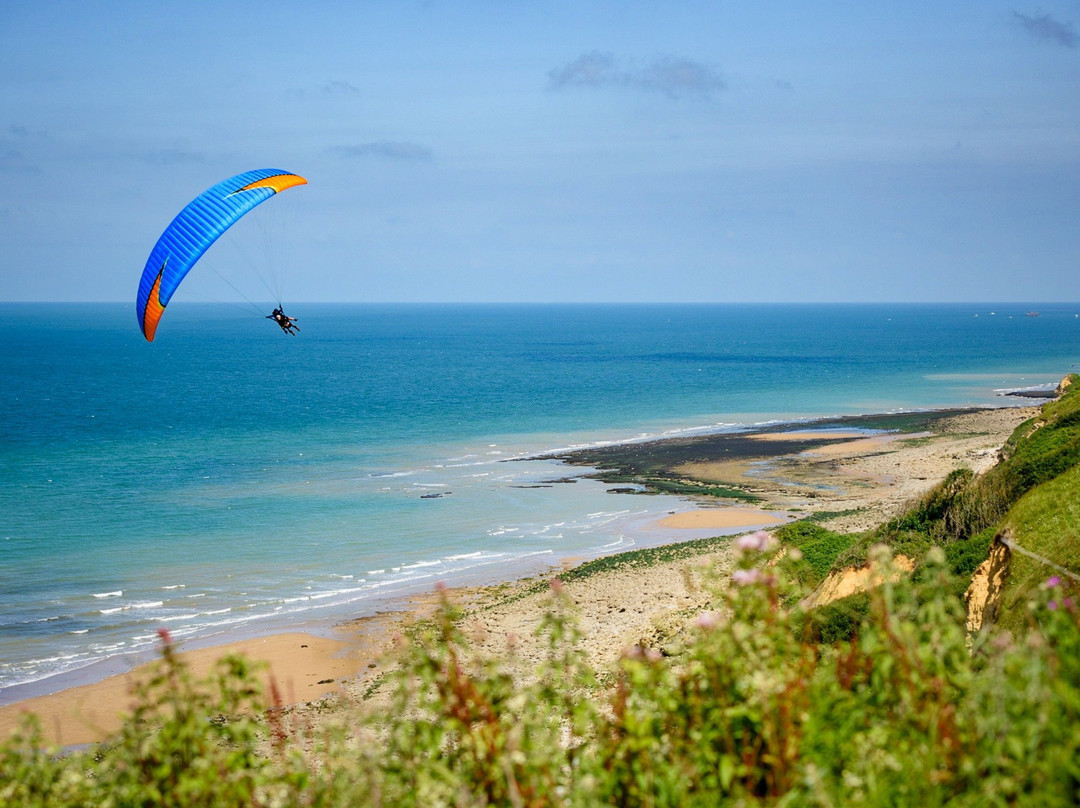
(145, 604)
(417, 564)
(116, 594)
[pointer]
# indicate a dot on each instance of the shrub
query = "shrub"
(753, 713)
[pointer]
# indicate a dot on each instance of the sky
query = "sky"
(579, 151)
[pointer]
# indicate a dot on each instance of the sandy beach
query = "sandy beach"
(863, 480)
(722, 518)
(302, 667)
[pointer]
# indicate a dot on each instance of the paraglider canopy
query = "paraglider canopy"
(192, 232)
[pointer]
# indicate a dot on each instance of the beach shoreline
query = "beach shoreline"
(809, 467)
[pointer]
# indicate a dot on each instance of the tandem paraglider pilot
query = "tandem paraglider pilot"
(288, 324)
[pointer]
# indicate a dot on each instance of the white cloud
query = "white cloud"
(673, 76)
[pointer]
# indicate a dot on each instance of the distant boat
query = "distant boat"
(1032, 314)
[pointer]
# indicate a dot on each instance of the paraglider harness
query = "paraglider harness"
(288, 324)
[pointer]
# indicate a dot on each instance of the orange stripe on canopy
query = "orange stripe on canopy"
(153, 311)
(279, 182)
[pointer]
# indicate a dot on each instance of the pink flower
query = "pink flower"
(640, 654)
(757, 542)
(707, 621)
(745, 577)
(1052, 581)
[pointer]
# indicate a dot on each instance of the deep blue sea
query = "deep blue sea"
(229, 479)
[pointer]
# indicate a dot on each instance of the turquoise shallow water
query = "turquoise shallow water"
(229, 479)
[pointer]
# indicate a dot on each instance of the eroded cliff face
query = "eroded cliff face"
(853, 580)
(984, 593)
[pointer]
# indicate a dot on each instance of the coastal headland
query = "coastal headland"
(851, 473)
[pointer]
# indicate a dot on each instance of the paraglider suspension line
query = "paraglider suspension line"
(254, 305)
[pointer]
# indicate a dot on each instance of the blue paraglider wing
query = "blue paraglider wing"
(192, 232)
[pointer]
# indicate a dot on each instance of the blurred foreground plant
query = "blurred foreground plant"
(754, 711)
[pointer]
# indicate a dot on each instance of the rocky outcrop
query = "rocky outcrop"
(984, 593)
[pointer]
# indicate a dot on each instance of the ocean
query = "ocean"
(229, 479)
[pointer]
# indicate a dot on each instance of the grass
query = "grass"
(1046, 522)
(820, 548)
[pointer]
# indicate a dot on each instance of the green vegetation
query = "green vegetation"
(752, 712)
(1045, 522)
(820, 548)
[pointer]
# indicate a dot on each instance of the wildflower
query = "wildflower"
(757, 542)
(745, 577)
(164, 636)
(1052, 605)
(1052, 582)
(640, 654)
(707, 621)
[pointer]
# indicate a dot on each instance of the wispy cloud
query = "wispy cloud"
(1047, 28)
(13, 147)
(388, 149)
(13, 161)
(339, 87)
(673, 76)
